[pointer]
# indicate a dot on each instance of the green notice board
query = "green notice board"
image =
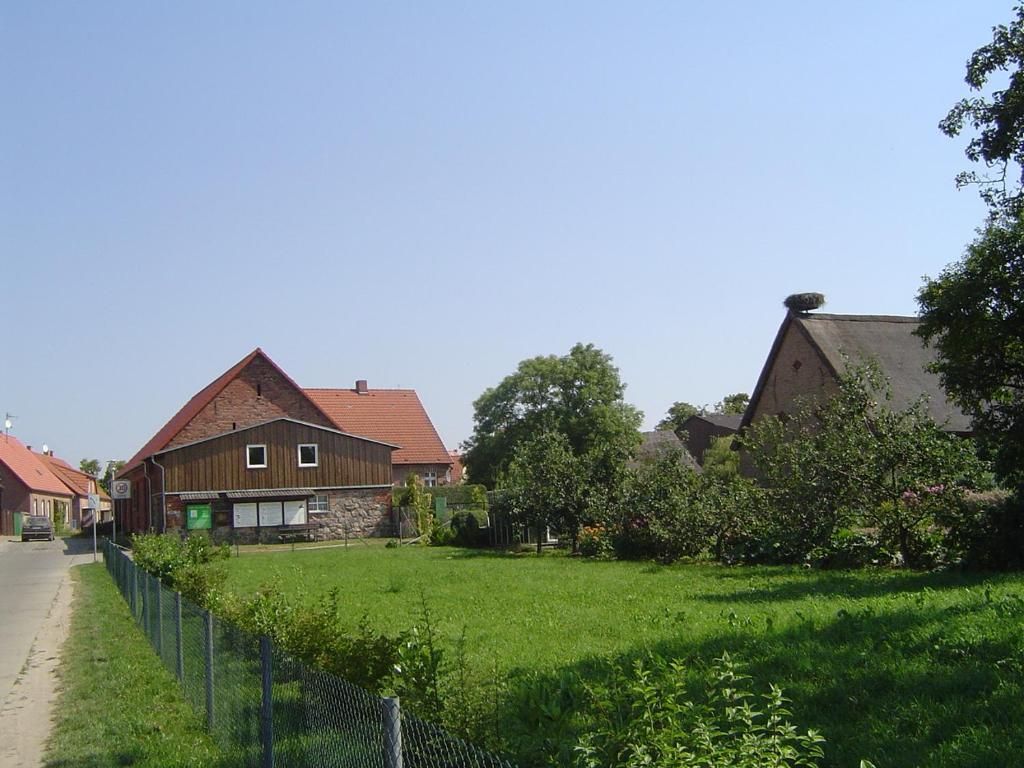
(198, 516)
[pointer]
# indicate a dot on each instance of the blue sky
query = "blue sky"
(423, 194)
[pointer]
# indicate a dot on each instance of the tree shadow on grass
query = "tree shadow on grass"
(910, 686)
(791, 585)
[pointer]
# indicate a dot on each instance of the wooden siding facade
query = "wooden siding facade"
(219, 463)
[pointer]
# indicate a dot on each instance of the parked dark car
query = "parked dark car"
(37, 527)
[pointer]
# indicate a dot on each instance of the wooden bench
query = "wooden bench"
(301, 532)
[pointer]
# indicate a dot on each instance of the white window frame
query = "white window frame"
(430, 478)
(316, 454)
(248, 462)
(314, 504)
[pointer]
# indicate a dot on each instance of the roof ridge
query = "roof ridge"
(857, 318)
(353, 389)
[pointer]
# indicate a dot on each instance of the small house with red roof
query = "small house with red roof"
(29, 487)
(81, 484)
(254, 456)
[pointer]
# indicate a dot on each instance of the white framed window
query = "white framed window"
(309, 455)
(245, 515)
(295, 512)
(255, 456)
(320, 504)
(430, 478)
(271, 513)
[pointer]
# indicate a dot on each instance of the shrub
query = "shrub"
(442, 536)
(415, 497)
(189, 565)
(595, 541)
(986, 531)
(647, 718)
(314, 633)
(662, 517)
(854, 460)
(466, 529)
(851, 549)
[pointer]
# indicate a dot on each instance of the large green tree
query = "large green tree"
(973, 313)
(578, 395)
(735, 403)
(996, 116)
(91, 467)
(547, 486)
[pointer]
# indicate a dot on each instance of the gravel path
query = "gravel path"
(35, 614)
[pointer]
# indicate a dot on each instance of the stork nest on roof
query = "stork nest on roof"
(804, 302)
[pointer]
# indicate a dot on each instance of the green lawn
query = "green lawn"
(904, 669)
(118, 706)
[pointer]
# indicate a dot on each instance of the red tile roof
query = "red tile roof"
(29, 469)
(390, 415)
(74, 479)
(192, 408)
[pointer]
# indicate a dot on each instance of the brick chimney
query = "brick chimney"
(361, 387)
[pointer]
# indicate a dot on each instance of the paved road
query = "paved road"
(30, 574)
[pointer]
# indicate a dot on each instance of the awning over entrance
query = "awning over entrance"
(198, 495)
(272, 493)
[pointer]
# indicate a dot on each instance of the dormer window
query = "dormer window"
(255, 456)
(309, 455)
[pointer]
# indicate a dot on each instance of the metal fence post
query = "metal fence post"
(135, 589)
(208, 648)
(267, 709)
(147, 606)
(180, 656)
(159, 617)
(392, 733)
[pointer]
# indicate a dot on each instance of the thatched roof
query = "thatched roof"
(890, 341)
(659, 443)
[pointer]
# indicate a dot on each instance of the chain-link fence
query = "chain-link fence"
(265, 708)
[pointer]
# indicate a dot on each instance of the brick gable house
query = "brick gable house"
(336, 459)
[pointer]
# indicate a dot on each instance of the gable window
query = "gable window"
(255, 456)
(309, 455)
(430, 478)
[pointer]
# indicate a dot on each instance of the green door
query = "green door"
(198, 517)
(17, 523)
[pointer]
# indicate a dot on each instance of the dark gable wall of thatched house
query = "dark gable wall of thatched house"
(797, 370)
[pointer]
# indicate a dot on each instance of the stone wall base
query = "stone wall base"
(353, 513)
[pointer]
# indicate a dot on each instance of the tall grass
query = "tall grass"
(904, 669)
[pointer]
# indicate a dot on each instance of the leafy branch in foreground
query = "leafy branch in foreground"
(649, 719)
